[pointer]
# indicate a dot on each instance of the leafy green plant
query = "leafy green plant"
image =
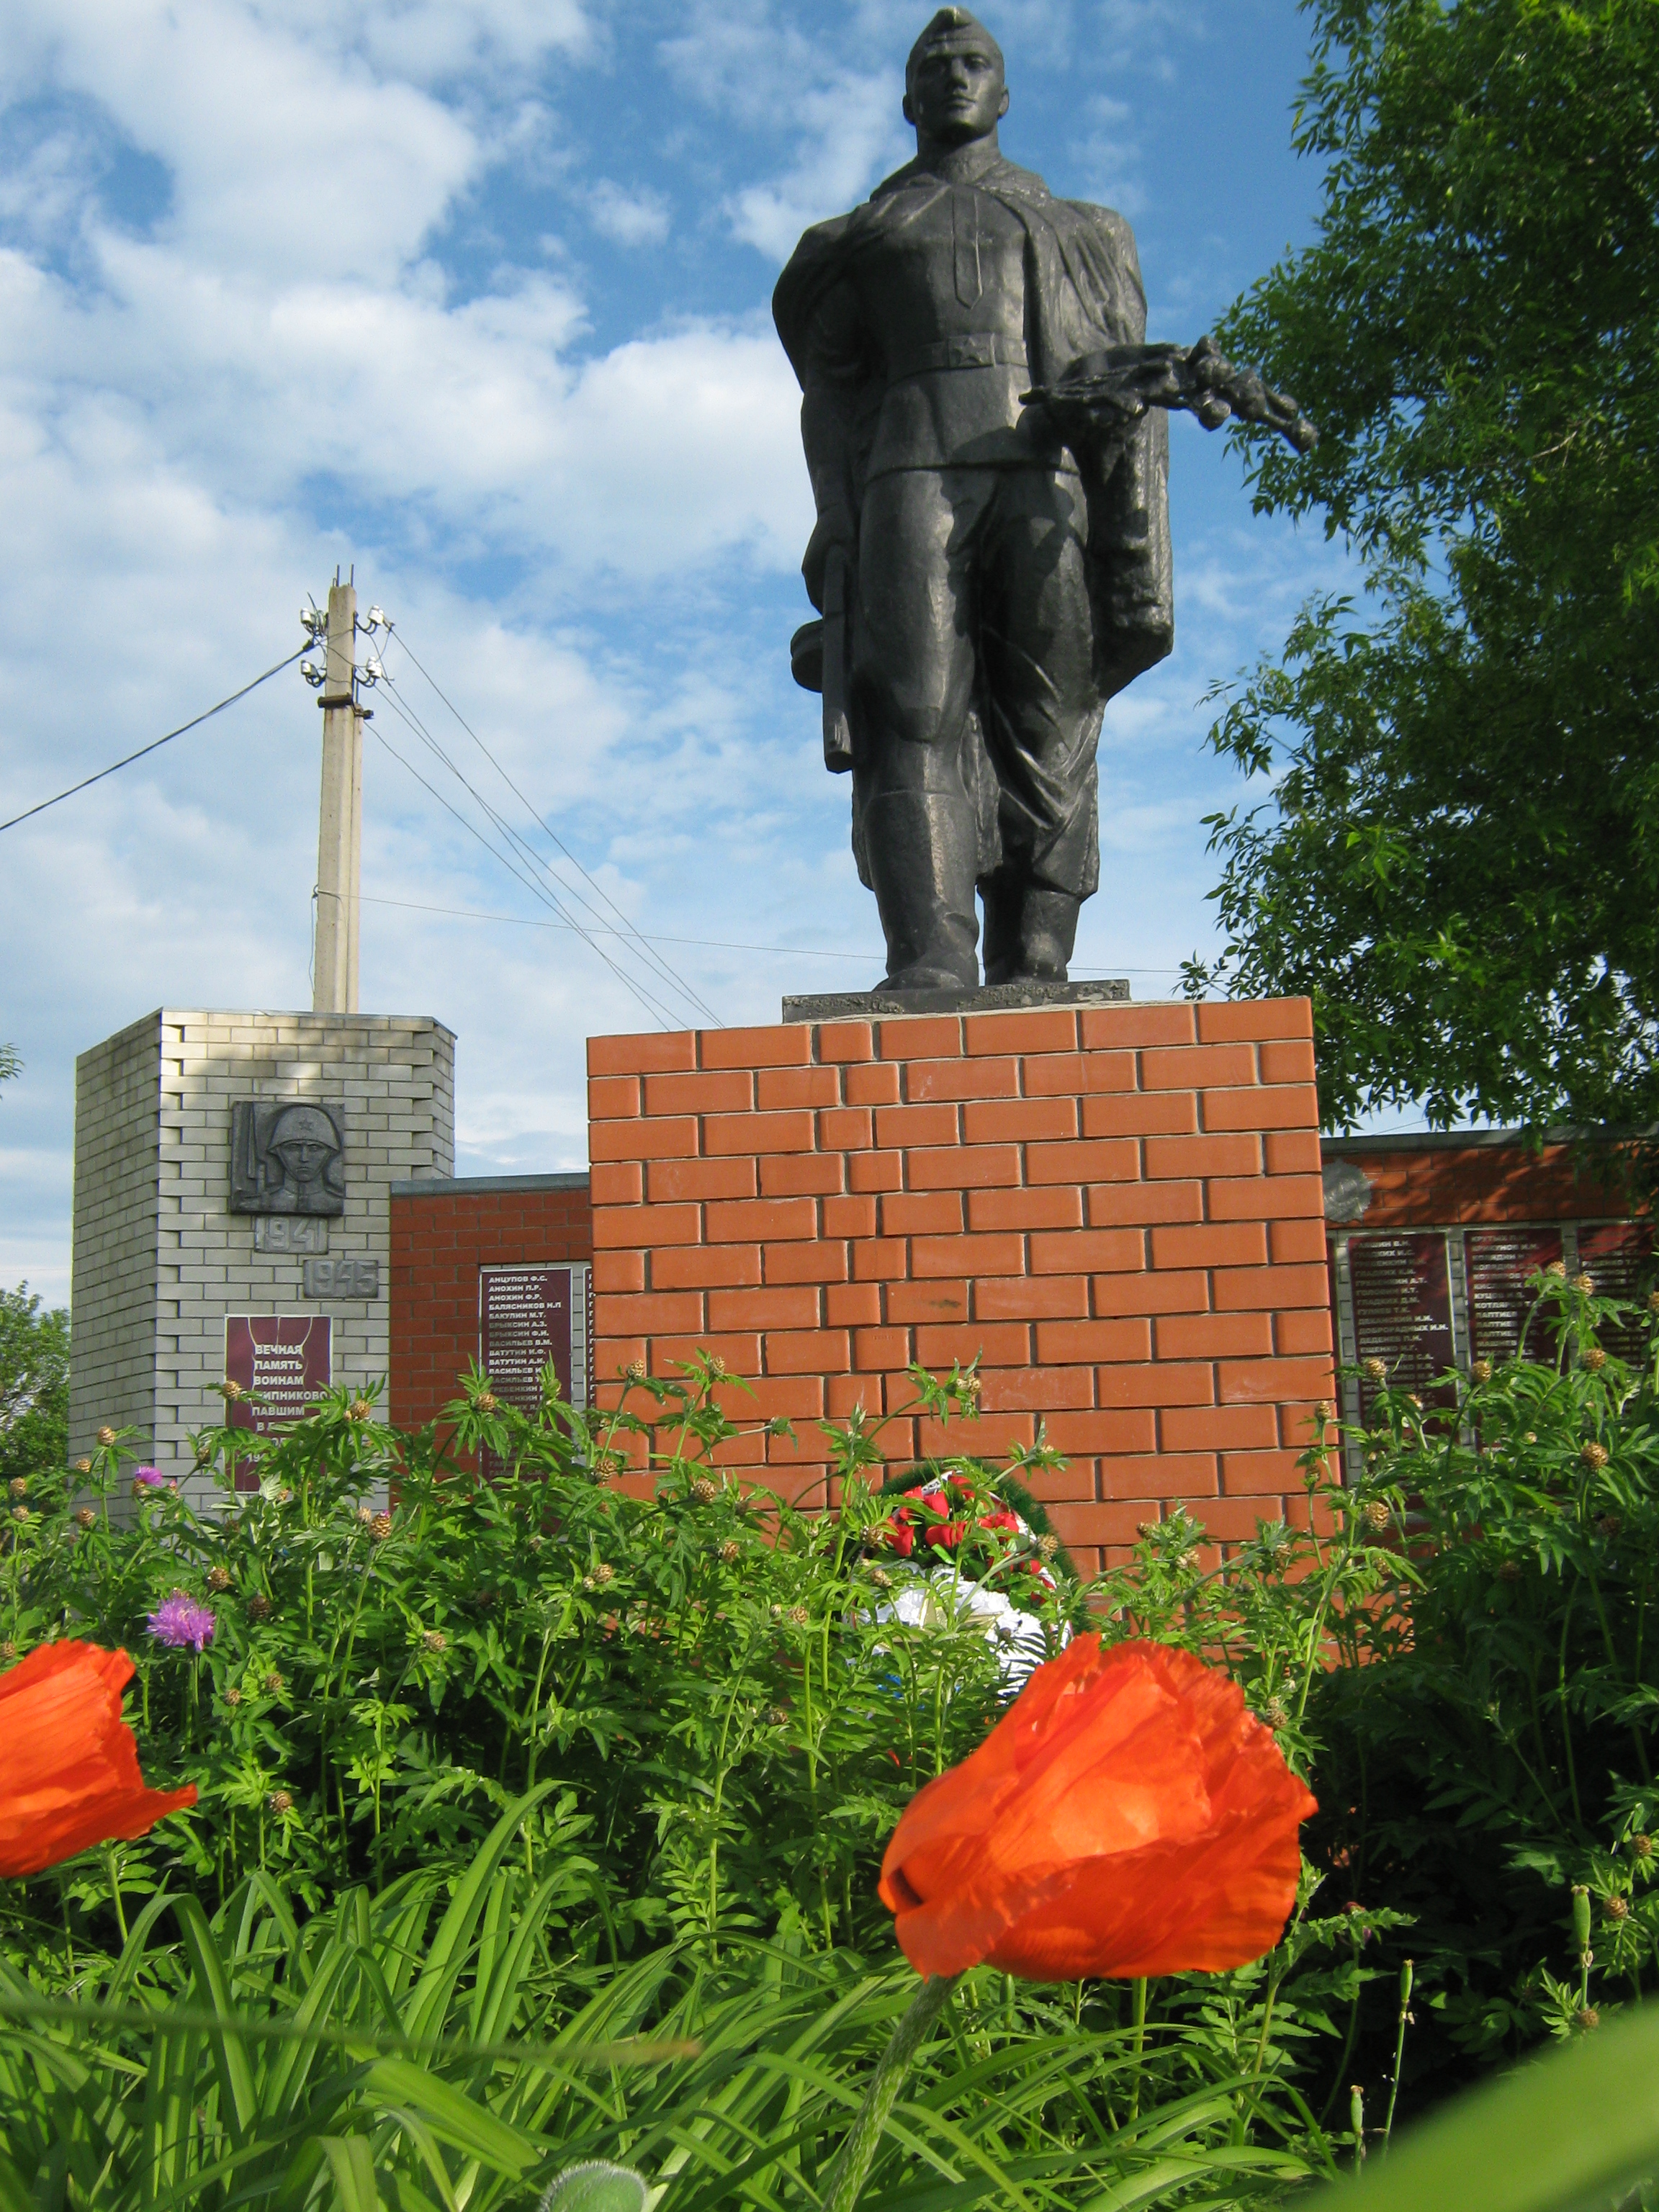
(423, 2051)
(731, 1702)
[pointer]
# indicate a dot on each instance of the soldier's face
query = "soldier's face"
(302, 1158)
(957, 92)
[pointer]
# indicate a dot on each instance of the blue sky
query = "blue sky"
(474, 297)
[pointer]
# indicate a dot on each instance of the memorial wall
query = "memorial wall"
(232, 1183)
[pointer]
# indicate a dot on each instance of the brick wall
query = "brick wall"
(441, 1236)
(1481, 1175)
(118, 1086)
(1116, 1208)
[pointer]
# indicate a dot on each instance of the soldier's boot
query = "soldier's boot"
(1030, 932)
(920, 848)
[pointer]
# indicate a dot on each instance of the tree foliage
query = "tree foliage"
(1458, 861)
(33, 1384)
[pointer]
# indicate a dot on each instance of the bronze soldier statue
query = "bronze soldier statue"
(988, 578)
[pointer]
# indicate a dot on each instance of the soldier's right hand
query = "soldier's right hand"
(834, 528)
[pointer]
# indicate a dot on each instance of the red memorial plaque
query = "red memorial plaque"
(1501, 1263)
(1402, 1311)
(288, 1359)
(527, 1316)
(1618, 1257)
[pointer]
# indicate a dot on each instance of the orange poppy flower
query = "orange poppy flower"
(69, 1765)
(1126, 1817)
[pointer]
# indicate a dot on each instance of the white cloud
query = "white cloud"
(636, 218)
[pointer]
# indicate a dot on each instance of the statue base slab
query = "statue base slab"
(987, 998)
(1117, 1209)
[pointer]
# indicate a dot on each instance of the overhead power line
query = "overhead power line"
(627, 928)
(706, 943)
(154, 744)
(509, 859)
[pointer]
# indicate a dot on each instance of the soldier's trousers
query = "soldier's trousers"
(973, 592)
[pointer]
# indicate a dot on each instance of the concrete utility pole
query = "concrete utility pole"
(340, 823)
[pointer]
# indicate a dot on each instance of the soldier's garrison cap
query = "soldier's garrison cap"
(948, 29)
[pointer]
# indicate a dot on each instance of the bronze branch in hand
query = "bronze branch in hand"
(1106, 392)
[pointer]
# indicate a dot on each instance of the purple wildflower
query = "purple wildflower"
(150, 1477)
(179, 1620)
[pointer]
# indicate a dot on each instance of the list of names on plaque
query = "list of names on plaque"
(1402, 1311)
(527, 1316)
(1500, 1262)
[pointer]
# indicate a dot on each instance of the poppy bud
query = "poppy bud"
(1357, 2118)
(1581, 1917)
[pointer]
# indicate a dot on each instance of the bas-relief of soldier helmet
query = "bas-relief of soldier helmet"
(302, 1125)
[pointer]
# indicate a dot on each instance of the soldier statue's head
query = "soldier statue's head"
(954, 90)
(303, 1139)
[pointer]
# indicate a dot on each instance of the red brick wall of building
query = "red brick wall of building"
(1475, 1176)
(442, 1234)
(1116, 1208)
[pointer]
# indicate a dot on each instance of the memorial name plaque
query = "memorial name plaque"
(527, 1316)
(1402, 1312)
(288, 1359)
(1618, 1257)
(1500, 1262)
(301, 1234)
(350, 1276)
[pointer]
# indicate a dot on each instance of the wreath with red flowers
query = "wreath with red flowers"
(986, 1527)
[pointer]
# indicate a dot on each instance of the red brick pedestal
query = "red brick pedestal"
(1117, 1208)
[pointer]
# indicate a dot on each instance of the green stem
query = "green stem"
(1138, 2016)
(113, 1869)
(1399, 2049)
(847, 2177)
(1566, 1724)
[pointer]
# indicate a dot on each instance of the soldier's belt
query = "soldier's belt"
(978, 350)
